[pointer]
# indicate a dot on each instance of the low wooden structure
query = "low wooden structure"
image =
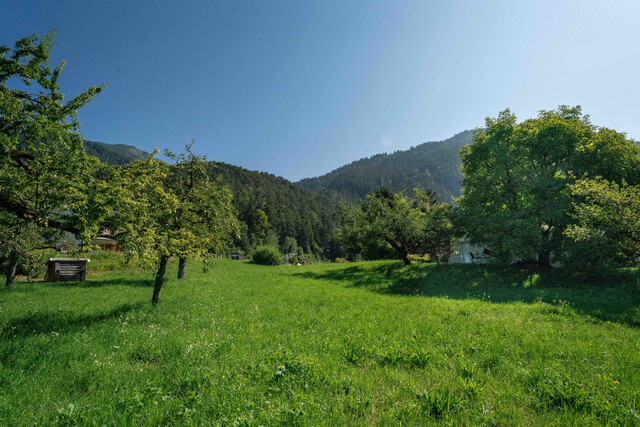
(66, 269)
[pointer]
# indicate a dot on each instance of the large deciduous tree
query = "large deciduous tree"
(46, 177)
(171, 210)
(606, 229)
(410, 225)
(516, 179)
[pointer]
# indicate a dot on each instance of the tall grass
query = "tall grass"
(326, 344)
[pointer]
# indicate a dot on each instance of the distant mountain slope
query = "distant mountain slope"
(115, 154)
(434, 165)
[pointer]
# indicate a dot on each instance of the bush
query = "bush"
(106, 261)
(423, 258)
(267, 255)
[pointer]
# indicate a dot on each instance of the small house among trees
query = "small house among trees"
(466, 253)
(106, 244)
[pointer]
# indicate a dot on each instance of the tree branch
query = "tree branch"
(25, 213)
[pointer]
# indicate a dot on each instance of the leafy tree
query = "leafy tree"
(516, 177)
(18, 239)
(270, 239)
(267, 255)
(46, 177)
(606, 231)
(290, 246)
(261, 223)
(355, 243)
(409, 225)
(171, 210)
(205, 206)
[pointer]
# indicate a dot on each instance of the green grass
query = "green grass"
(325, 344)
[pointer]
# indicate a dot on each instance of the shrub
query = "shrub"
(267, 255)
(106, 261)
(423, 258)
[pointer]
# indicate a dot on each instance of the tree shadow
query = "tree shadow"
(617, 299)
(91, 282)
(47, 322)
(99, 283)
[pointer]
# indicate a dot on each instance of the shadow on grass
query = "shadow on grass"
(92, 282)
(617, 300)
(60, 322)
(143, 282)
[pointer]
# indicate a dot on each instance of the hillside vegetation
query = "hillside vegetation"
(291, 211)
(308, 211)
(433, 165)
(115, 154)
(325, 344)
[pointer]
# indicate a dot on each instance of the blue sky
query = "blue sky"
(298, 88)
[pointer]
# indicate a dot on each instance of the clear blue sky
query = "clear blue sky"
(298, 88)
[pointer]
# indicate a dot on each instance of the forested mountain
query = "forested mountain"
(434, 165)
(270, 208)
(267, 204)
(115, 154)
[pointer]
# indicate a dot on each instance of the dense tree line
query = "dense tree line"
(273, 210)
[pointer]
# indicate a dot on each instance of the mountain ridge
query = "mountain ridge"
(115, 154)
(434, 165)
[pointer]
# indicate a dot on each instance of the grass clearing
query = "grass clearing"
(325, 344)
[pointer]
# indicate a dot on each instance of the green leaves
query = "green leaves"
(409, 225)
(516, 177)
(46, 177)
(167, 210)
(606, 231)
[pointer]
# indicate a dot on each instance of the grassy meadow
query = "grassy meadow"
(325, 344)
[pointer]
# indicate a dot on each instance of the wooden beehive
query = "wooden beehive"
(66, 269)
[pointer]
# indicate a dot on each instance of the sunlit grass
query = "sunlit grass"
(326, 344)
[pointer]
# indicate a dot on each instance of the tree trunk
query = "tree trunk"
(182, 267)
(544, 256)
(162, 268)
(544, 259)
(401, 250)
(405, 257)
(11, 268)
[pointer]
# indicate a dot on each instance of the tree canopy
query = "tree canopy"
(171, 210)
(605, 233)
(46, 176)
(410, 225)
(516, 179)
